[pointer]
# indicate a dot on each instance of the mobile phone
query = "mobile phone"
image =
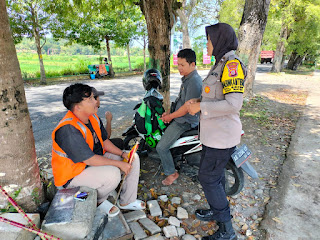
(81, 196)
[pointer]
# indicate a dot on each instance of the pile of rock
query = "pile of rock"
(165, 218)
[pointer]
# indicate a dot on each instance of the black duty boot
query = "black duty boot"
(225, 232)
(204, 214)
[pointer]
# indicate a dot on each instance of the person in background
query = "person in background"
(179, 118)
(220, 125)
(116, 141)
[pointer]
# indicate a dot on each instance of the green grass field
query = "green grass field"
(60, 65)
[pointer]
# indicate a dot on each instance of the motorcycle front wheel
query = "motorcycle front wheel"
(234, 179)
(130, 140)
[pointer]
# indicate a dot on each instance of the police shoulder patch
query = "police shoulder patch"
(232, 78)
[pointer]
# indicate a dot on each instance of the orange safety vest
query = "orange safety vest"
(64, 168)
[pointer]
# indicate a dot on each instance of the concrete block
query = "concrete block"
(170, 231)
(9, 232)
(99, 222)
(137, 230)
(150, 226)
(154, 208)
(117, 228)
(134, 215)
(68, 218)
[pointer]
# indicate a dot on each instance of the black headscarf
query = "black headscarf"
(223, 39)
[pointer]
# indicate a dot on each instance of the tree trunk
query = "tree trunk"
(252, 26)
(109, 57)
(36, 36)
(184, 20)
(298, 62)
(128, 52)
(295, 61)
(282, 63)
(159, 18)
(291, 60)
(279, 54)
(43, 79)
(18, 163)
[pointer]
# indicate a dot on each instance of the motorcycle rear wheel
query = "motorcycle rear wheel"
(234, 179)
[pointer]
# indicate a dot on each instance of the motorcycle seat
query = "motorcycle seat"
(191, 132)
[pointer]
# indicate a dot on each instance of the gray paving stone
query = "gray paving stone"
(174, 221)
(134, 215)
(154, 208)
(188, 237)
(117, 228)
(9, 232)
(164, 198)
(137, 230)
(170, 231)
(181, 231)
(99, 222)
(196, 197)
(150, 225)
(155, 237)
(182, 213)
(68, 218)
(176, 200)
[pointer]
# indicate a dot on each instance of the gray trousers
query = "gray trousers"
(171, 134)
(105, 179)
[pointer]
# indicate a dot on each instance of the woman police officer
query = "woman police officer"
(220, 125)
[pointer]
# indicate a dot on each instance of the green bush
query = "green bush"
(67, 71)
(82, 67)
(53, 74)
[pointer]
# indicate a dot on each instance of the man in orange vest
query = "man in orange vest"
(82, 154)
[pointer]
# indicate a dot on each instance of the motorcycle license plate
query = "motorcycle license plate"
(241, 155)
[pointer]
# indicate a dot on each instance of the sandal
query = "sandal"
(136, 205)
(106, 206)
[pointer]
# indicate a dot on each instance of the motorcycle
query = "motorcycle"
(186, 152)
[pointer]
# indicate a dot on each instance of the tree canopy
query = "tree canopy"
(98, 20)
